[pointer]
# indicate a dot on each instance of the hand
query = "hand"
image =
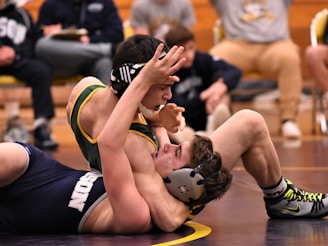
(85, 39)
(7, 55)
(213, 95)
(158, 71)
(171, 118)
(50, 29)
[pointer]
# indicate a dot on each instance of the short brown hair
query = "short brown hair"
(217, 185)
(178, 35)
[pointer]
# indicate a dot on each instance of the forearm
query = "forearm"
(167, 213)
(161, 135)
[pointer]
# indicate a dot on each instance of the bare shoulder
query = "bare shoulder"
(14, 161)
(83, 83)
(80, 86)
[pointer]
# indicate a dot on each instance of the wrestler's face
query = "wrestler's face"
(172, 157)
(156, 96)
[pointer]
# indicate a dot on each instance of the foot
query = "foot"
(42, 138)
(16, 131)
(290, 129)
(296, 203)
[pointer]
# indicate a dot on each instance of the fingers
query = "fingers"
(158, 51)
(205, 94)
(172, 59)
(176, 61)
(174, 107)
(182, 123)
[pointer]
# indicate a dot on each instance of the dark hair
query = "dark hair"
(178, 35)
(216, 185)
(129, 59)
(136, 49)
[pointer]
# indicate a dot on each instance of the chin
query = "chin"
(148, 113)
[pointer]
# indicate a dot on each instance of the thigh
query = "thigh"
(239, 53)
(32, 71)
(277, 56)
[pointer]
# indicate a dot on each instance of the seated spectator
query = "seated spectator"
(257, 39)
(317, 59)
(203, 90)
(91, 53)
(17, 40)
(156, 16)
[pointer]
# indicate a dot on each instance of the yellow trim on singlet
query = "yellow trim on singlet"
(85, 135)
(200, 232)
(143, 122)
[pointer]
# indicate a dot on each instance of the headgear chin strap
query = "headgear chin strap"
(187, 184)
(122, 76)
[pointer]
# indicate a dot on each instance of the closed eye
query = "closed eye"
(178, 151)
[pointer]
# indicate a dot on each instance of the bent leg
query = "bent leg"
(37, 75)
(239, 53)
(317, 61)
(67, 58)
(281, 61)
(102, 69)
(246, 135)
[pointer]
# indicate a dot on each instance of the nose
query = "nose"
(170, 147)
(167, 93)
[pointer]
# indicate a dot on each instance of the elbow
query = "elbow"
(139, 226)
(172, 225)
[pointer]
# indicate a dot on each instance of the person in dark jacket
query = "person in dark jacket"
(89, 54)
(17, 40)
(203, 90)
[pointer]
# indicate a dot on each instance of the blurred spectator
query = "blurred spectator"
(17, 40)
(204, 86)
(101, 30)
(156, 16)
(317, 59)
(257, 39)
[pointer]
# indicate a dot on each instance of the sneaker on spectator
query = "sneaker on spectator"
(42, 138)
(16, 131)
(290, 129)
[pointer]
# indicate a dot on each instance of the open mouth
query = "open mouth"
(159, 107)
(149, 113)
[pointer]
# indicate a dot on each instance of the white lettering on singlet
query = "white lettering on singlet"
(82, 189)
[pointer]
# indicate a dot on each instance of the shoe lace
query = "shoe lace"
(294, 194)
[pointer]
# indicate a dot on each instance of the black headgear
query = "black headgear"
(187, 184)
(122, 76)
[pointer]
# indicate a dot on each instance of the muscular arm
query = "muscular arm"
(130, 211)
(13, 159)
(167, 212)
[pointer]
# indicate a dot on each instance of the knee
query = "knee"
(291, 57)
(311, 55)
(253, 122)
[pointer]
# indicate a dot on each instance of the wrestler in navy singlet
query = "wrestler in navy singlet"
(49, 197)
